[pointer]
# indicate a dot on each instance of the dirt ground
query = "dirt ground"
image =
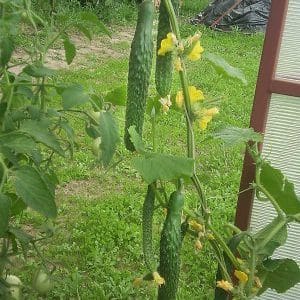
(105, 47)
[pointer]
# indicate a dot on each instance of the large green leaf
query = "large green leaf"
(117, 96)
(110, 136)
(35, 191)
(4, 213)
(136, 140)
(264, 249)
(74, 95)
(224, 68)
(155, 166)
(38, 70)
(235, 135)
(38, 129)
(280, 189)
(18, 142)
(279, 275)
(89, 17)
(70, 49)
(84, 30)
(6, 50)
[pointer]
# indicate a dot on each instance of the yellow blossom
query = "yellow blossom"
(210, 236)
(137, 281)
(195, 96)
(257, 282)
(225, 285)
(198, 245)
(166, 103)
(211, 112)
(204, 121)
(196, 52)
(178, 65)
(158, 279)
(179, 99)
(195, 225)
(241, 276)
(167, 44)
(206, 116)
(195, 38)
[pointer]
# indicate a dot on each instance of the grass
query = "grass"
(97, 244)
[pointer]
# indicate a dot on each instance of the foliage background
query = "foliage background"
(97, 243)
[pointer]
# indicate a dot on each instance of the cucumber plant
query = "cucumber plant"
(246, 267)
(34, 128)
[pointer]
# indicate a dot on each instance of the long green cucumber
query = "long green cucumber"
(148, 210)
(140, 63)
(164, 64)
(170, 246)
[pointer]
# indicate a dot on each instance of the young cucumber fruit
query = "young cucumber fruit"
(170, 247)
(148, 210)
(164, 64)
(140, 62)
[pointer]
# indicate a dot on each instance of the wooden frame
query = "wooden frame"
(267, 84)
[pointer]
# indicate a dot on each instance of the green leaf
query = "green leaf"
(155, 166)
(224, 68)
(74, 95)
(6, 50)
(35, 191)
(89, 17)
(70, 49)
(4, 213)
(18, 142)
(280, 189)
(110, 137)
(21, 235)
(279, 275)
(136, 140)
(117, 96)
(84, 30)
(38, 129)
(264, 249)
(37, 70)
(235, 135)
(17, 204)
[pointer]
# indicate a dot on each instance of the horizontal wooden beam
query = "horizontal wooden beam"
(285, 87)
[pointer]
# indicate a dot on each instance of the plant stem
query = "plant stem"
(190, 134)
(226, 249)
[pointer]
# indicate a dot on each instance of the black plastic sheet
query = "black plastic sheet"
(246, 15)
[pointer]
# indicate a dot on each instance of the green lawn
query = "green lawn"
(97, 244)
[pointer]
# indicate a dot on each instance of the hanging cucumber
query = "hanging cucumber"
(164, 64)
(140, 63)
(148, 210)
(170, 246)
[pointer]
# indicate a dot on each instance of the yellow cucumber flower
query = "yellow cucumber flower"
(257, 282)
(241, 276)
(206, 116)
(178, 65)
(195, 225)
(167, 44)
(158, 279)
(166, 103)
(225, 285)
(195, 96)
(204, 121)
(196, 52)
(198, 245)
